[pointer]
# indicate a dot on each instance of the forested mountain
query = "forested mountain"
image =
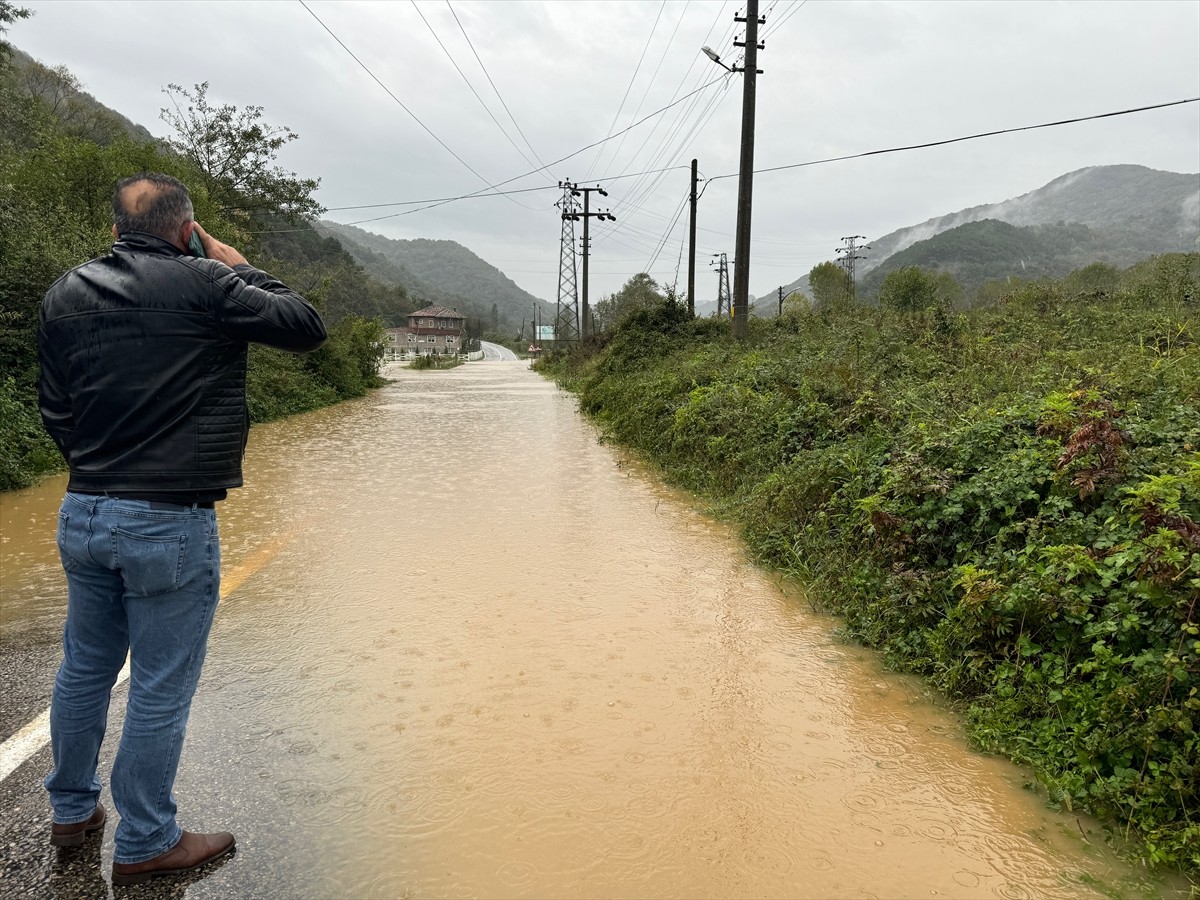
(74, 109)
(1112, 214)
(979, 252)
(443, 272)
(1133, 211)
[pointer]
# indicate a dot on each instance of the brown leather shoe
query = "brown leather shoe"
(192, 851)
(72, 835)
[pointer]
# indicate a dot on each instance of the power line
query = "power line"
(399, 102)
(481, 192)
(662, 57)
(491, 194)
(499, 96)
(486, 109)
(968, 137)
(638, 192)
(784, 16)
(632, 78)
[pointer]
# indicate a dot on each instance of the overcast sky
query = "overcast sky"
(840, 78)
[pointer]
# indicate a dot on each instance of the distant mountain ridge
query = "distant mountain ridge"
(444, 272)
(1116, 214)
(1135, 210)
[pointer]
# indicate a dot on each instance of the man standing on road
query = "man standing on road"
(143, 356)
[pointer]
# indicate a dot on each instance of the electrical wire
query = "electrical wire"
(499, 96)
(967, 137)
(628, 87)
(783, 17)
(458, 69)
(399, 102)
(662, 57)
(482, 191)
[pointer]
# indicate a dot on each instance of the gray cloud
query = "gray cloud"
(840, 78)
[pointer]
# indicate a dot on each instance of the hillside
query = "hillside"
(1134, 212)
(989, 250)
(77, 112)
(443, 272)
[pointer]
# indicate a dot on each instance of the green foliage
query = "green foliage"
(432, 361)
(912, 290)
(638, 293)
(28, 451)
(830, 285)
(233, 150)
(1008, 505)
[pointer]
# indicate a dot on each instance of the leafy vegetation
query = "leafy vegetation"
(1006, 501)
(61, 154)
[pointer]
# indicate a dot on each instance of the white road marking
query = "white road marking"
(36, 735)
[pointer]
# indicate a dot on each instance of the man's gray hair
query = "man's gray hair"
(152, 203)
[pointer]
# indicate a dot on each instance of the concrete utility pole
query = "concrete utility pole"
(780, 300)
(848, 254)
(741, 261)
(692, 250)
(587, 246)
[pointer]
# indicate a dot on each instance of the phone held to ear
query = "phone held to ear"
(195, 245)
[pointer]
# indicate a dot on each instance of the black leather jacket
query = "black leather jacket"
(143, 355)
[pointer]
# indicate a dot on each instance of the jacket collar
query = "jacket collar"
(146, 243)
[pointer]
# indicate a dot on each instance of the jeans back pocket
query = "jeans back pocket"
(149, 564)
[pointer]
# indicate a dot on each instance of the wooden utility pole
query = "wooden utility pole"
(741, 262)
(692, 250)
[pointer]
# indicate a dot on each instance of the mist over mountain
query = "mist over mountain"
(443, 272)
(1113, 214)
(1133, 211)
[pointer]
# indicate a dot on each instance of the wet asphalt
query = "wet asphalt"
(214, 794)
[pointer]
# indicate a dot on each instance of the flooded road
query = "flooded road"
(466, 650)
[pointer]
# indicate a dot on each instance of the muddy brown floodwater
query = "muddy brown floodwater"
(465, 649)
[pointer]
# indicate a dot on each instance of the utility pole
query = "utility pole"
(781, 300)
(741, 250)
(692, 250)
(724, 302)
(566, 314)
(587, 245)
(848, 254)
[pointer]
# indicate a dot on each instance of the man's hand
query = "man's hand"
(214, 249)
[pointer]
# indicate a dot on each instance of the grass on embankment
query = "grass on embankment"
(1005, 501)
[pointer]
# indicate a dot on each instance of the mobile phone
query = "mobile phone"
(195, 245)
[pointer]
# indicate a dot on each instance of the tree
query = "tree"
(911, 290)
(9, 13)
(639, 292)
(234, 150)
(796, 303)
(830, 285)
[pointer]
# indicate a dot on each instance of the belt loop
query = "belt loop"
(195, 506)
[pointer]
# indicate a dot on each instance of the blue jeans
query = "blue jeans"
(141, 579)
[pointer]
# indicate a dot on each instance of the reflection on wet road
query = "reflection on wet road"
(473, 652)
